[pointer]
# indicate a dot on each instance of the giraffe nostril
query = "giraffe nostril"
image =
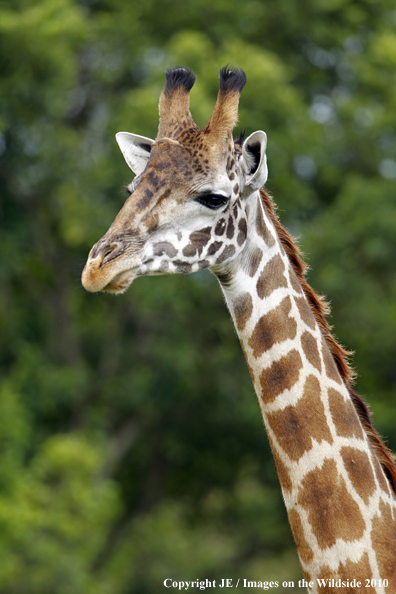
(109, 251)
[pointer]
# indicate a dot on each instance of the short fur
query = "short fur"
(320, 309)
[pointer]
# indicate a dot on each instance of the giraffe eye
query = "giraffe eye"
(212, 201)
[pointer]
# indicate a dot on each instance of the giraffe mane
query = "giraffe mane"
(320, 309)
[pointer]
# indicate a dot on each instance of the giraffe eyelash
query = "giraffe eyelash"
(130, 188)
(212, 201)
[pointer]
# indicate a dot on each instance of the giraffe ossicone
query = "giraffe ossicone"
(196, 202)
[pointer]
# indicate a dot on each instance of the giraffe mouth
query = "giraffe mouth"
(96, 278)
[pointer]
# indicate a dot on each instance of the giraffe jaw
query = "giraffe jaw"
(120, 283)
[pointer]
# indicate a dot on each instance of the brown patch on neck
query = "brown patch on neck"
(330, 366)
(358, 467)
(294, 427)
(344, 415)
(274, 327)
(304, 550)
(254, 262)
(283, 473)
(340, 355)
(332, 511)
(243, 307)
(281, 375)
(310, 348)
(263, 230)
(305, 312)
(272, 277)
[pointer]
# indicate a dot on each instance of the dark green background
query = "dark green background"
(132, 446)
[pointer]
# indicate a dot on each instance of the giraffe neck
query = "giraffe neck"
(340, 506)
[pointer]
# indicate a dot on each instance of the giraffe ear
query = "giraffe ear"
(254, 162)
(136, 150)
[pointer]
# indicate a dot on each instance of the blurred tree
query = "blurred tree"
(132, 448)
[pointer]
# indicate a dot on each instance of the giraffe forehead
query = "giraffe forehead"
(197, 148)
(187, 167)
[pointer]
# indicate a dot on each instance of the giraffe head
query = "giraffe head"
(186, 208)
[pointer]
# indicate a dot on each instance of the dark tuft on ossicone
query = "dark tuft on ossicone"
(232, 79)
(179, 77)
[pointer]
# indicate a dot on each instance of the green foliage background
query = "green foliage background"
(132, 446)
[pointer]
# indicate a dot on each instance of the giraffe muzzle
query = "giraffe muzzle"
(106, 270)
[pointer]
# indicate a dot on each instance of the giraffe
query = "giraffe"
(197, 202)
